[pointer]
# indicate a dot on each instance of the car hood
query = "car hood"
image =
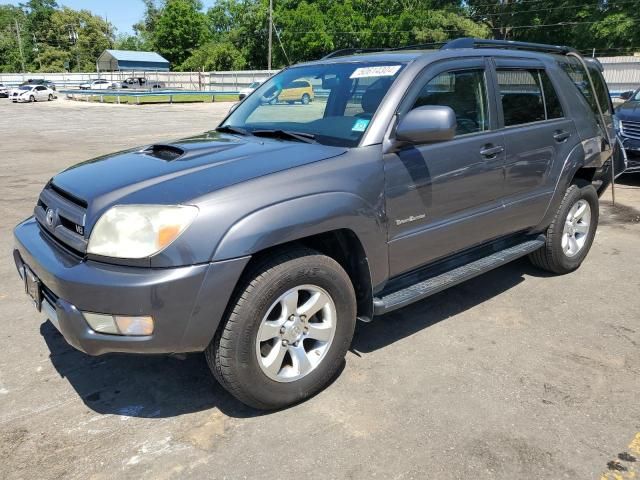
(629, 111)
(181, 171)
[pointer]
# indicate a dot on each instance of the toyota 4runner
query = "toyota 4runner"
(262, 242)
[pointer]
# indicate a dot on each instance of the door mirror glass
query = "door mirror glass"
(427, 124)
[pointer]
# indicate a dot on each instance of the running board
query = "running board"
(436, 284)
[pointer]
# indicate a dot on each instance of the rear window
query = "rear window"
(527, 96)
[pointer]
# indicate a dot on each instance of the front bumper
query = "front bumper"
(186, 303)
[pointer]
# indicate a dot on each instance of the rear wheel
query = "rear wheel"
(305, 99)
(570, 235)
(288, 331)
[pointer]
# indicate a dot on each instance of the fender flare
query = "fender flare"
(301, 217)
(574, 161)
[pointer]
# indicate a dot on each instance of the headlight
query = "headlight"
(139, 231)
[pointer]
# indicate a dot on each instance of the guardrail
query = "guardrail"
(88, 95)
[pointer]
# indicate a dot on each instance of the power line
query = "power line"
(481, 15)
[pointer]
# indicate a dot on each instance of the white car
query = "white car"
(247, 90)
(99, 84)
(31, 93)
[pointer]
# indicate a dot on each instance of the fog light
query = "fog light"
(119, 324)
(101, 323)
(134, 325)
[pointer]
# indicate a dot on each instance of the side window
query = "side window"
(576, 72)
(465, 92)
(601, 90)
(552, 103)
(521, 96)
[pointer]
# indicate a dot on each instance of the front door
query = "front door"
(445, 197)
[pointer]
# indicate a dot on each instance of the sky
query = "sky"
(121, 13)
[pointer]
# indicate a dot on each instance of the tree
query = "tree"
(179, 30)
(215, 56)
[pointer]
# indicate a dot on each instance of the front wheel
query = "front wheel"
(288, 331)
(50, 97)
(32, 99)
(570, 235)
(305, 99)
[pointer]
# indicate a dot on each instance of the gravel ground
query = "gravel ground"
(513, 375)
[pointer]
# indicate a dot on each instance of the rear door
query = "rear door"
(445, 197)
(536, 134)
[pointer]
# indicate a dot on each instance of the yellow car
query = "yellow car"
(296, 91)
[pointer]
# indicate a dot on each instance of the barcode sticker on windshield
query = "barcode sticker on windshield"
(384, 71)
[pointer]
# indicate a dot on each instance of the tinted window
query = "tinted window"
(576, 72)
(465, 92)
(552, 103)
(521, 96)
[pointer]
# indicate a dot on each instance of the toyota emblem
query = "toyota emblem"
(49, 217)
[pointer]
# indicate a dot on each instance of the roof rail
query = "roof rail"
(510, 44)
(350, 51)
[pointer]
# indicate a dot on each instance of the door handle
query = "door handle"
(561, 136)
(491, 151)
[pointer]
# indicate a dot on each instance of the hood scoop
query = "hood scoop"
(167, 153)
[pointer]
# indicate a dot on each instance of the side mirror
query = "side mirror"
(626, 95)
(431, 123)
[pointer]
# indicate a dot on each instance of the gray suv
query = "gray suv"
(262, 242)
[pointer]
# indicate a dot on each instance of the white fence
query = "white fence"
(621, 73)
(225, 81)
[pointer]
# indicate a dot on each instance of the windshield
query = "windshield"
(26, 88)
(332, 103)
(636, 96)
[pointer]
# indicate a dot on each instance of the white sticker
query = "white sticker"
(384, 71)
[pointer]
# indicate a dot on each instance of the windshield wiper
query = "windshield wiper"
(286, 134)
(232, 129)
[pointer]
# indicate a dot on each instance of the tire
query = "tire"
(50, 99)
(236, 357)
(305, 99)
(32, 99)
(558, 255)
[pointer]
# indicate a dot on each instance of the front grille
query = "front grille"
(62, 216)
(630, 129)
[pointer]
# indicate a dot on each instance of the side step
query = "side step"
(436, 284)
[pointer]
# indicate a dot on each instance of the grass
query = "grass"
(165, 99)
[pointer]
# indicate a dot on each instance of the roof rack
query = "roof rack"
(350, 51)
(509, 44)
(467, 42)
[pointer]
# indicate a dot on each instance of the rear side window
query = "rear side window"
(465, 92)
(576, 72)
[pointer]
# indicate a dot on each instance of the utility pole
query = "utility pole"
(37, 50)
(20, 44)
(270, 33)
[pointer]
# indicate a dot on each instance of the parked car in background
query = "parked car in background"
(627, 123)
(100, 84)
(32, 93)
(4, 91)
(299, 90)
(141, 83)
(40, 81)
(247, 90)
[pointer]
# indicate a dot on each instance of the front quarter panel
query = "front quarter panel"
(344, 192)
